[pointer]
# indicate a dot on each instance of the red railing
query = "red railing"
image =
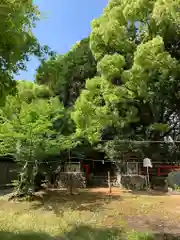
(161, 170)
(168, 167)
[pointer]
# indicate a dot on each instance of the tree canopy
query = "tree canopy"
(29, 132)
(136, 47)
(66, 74)
(17, 42)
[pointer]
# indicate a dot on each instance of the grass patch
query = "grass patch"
(133, 235)
(91, 215)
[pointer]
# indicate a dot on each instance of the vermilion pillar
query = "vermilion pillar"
(86, 166)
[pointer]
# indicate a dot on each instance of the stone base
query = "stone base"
(134, 182)
(75, 179)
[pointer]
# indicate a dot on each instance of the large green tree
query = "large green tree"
(136, 96)
(66, 74)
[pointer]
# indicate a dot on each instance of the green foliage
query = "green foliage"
(137, 93)
(27, 133)
(28, 91)
(66, 74)
(111, 66)
(173, 180)
(17, 42)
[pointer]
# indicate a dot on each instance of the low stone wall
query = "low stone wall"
(75, 179)
(133, 182)
(78, 180)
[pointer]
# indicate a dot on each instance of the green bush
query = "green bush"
(173, 179)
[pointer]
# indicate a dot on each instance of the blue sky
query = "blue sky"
(63, 23)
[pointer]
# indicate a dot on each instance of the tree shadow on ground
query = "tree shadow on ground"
(165, 236)
(59, 200)
(24, 236)
(160, 236)
(84, 232)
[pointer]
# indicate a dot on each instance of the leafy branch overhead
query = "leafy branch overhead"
(17, 42)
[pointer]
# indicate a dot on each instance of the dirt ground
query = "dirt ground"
(150, 211)
(145, 211)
